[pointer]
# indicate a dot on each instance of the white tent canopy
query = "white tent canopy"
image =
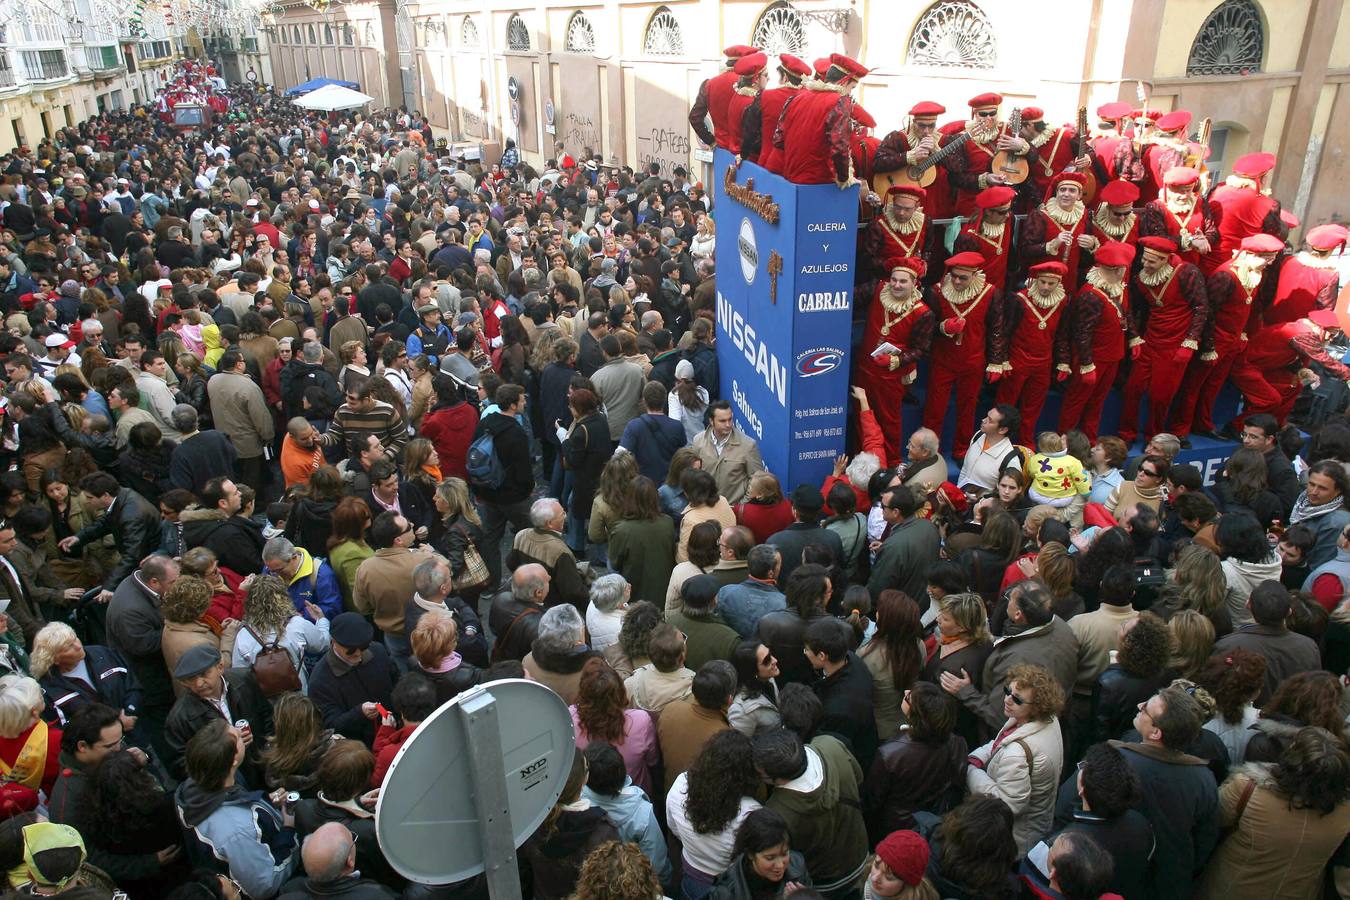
(333, 97)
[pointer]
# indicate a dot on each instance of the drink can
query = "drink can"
(292, 798)
(241, 724)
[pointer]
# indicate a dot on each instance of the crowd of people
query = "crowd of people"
(311, 428)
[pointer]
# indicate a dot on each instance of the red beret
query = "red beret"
(793, 65)
(1119, 192)
(1051, 267)
(821, 66)
(752, 64)
(1324, 318)
(1180, 176)
(968, 259)
(737, 51)
(1261, 243)
(998, 195)
(960, 502)
(863, 117)
(1327, 237)
(917, 266)
(1254, 165)
(1176, 120)
(908, 190)
(568, 162)
(1114, 253)
(905, 853)
(1115, 110)
(927, 108)
(1033, 114)
(1152, 115)
(1289, 219)
(854, 68)
(987, 99)
(1158, 243)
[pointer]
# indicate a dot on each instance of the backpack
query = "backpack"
(483, 465)
(273, 667)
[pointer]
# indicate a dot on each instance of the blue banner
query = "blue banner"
(784, 299)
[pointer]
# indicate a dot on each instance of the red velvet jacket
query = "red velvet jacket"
(711, 101)
(1173, 312)
(1233, 312)
(965, 352)
(814, 133)
(1100, 328)
(1031, 337)
(1301, 285)
(913, 335)
(1241, 212)
(1038, 229)
(736, 107)
(1157, 220)
(1291, 345)
(994, 250)
(758, 123)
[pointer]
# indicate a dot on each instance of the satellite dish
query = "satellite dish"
(476, 779)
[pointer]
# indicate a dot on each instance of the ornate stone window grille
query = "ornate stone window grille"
(780, 29)
(468, 33)
(954, 34)
(663, 36)
(517, 35)
(1231, 42)
(580, 35)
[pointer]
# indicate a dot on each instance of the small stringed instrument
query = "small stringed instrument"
(922, 174)
(1012, 167)
(1080, 145)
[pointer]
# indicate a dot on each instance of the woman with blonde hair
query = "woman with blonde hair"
(270, 620)
(297, 746)
(457, 534)
(616, 486)
(1055, 569)
(1197, 583)
(704, 244)
(964, 642)
(422, 467)
(29, 750)
(434, 641)
(73, 675)
(1192, 639)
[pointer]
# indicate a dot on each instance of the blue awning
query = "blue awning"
(315, 83)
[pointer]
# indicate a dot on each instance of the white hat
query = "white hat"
(57, 339)
(313, 204)
(252, 201)
(684, 369)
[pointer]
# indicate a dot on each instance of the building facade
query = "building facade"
(62, 61)
(619, 76)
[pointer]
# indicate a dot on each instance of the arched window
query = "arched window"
(327, 33)
(580, 35)
(663, 36)
(299, 39)
(1231, 42)
(370, 35)
(953, 34)
(780, 30)
(517, 34)
(468, 33)
(312, 38)
(348, 36)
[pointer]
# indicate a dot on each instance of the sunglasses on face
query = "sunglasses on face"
(1008, 692)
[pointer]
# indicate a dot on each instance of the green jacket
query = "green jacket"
(825, 820)
(706, 639)
(643, 551)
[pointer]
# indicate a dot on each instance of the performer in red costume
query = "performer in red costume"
(863, 145)
(1057, 229)
(900, 230)
(1234, 315)
(1242, 209)
(989, 234)
(1051, 149)
(914, 144)
(1114, 219)
(750, 80)
(1183, 215)
(712, 98)
(815, 128)
(1031, 343)
(968, 310)
(987, 137)
(1100, 330)
(1111, 118)
(1171, 311)
(1154, 151)
(899, 318)
(1275, 355)
(1308, 280)
(761, 117)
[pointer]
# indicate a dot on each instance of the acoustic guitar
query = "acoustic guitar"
(1012, 167)
(1080, 145)
(921, 175)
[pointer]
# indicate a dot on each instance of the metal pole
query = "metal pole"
(479, 710)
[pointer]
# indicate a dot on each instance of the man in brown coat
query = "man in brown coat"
(686, 725)
(384, 582)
